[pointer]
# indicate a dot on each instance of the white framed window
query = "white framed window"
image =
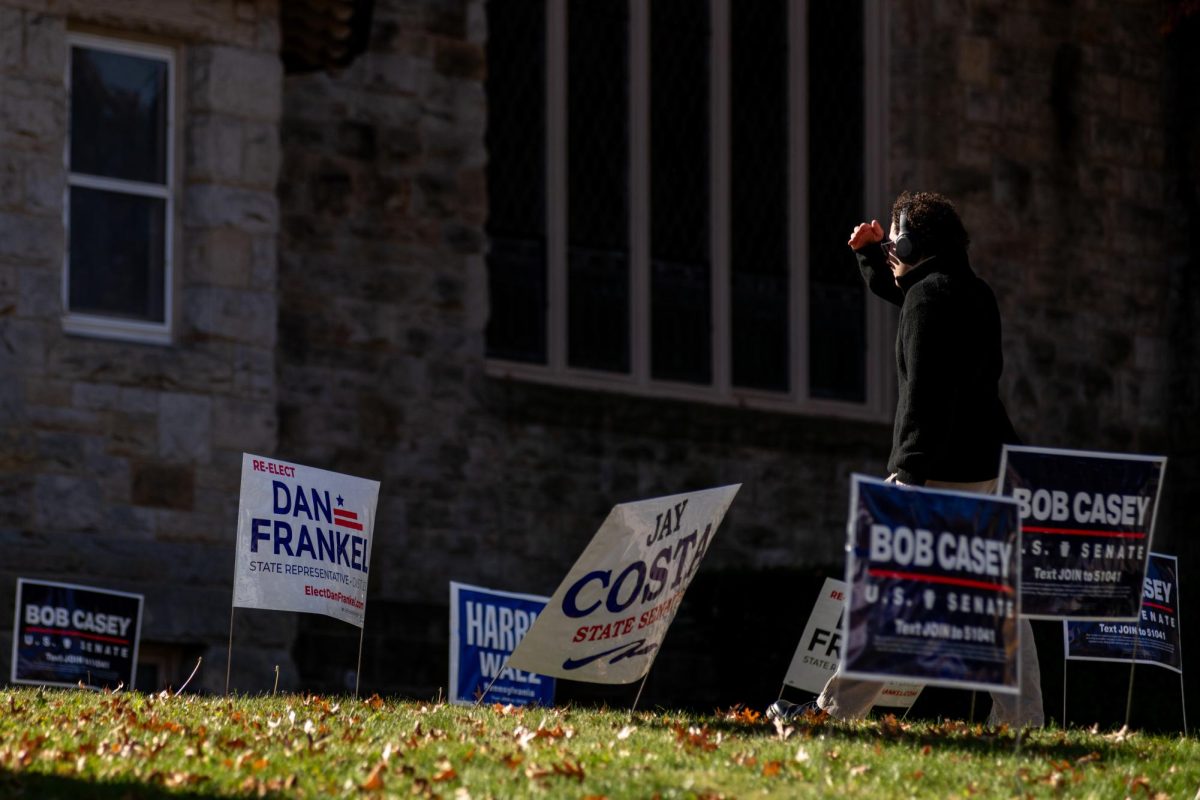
(671, 185)
(118, 211)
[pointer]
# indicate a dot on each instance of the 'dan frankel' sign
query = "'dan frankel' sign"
(610, 614)
(65, 635)
(1087, 521)
(303, 540)
(933, 581)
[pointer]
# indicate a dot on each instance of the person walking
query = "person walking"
(950, 424)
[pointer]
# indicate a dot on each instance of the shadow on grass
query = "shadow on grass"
(1053, 743)
(39, 786)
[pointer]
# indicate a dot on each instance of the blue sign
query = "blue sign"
(485, 627)
(1154, 639)
(933, 578)
(1087, 521)
(66, 635)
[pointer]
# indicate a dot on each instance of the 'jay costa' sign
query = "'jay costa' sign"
(608, 617)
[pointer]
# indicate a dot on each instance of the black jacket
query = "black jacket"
(950, 424)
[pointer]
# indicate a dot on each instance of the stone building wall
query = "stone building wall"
(1044, 121)
(382, 311)
(119, 462)
(1051, 124)
(1067, 135)
(332, 298)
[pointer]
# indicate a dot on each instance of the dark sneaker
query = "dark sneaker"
(783, 710)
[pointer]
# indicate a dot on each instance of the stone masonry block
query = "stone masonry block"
(974, 60)
(67, 502)
(254, 374)
(246, 425)
(209, 206)
(29, 238)
(37, 117)
(11, 182)
(261, 155)
(161, 485)
(45, 47)
(214, 148)
(220, 256)
(231, 80)
(242, 316)
(397, 73)
(95, 396)
(10, 39)
(264, 262)
(39, 292)
(45, 179)
(184, 427)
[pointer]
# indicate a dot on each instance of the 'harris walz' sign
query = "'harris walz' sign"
(1087, 520)
(67, 634)
(933, 587)
(1154, 639)
(485, 627)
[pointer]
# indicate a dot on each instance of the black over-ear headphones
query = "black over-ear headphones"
(908, 247)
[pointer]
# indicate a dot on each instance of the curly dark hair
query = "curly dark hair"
(933, 220)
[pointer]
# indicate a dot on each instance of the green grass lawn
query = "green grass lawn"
(86, 744)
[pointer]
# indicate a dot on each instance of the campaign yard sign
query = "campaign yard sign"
(65, 634)
(933, 578)
(1087, 521)
(303, 540)
(609, 615)
(1153, 639)
(485, 627)
(820, 650)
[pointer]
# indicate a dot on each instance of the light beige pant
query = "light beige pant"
(849, 698)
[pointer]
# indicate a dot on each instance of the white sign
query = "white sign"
(820, 650)
(608, 617)
(303, 540)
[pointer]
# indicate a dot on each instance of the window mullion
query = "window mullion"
(639, 187)
(875, 93)
(719, 197)
(556, 183)
(798, 313)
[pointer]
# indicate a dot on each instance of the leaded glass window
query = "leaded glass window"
(671, 186)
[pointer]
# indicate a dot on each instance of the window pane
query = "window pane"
(117, 254)
(598, 184)
(837, 301)
(759, 208)
(516, 178)
(680, 277)
(118, 115)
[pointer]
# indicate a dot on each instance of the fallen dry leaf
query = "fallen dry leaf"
(446, 771)
(374, 781)
(771, 769)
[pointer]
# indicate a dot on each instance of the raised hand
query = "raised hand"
(865, 234)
